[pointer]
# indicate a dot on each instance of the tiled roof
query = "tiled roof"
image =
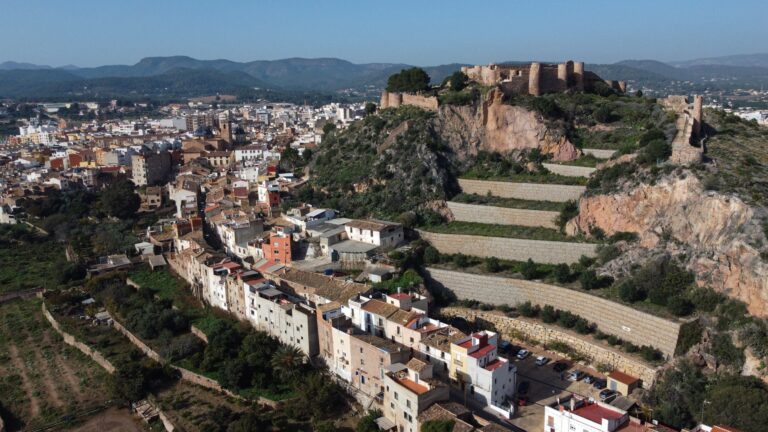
(622, 377)
(380, 308)
(416, 365)
(370, 224)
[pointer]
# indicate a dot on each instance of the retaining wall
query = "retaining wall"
(570, 170)
(599, 153)
(629, 324)
(514, 249)
(70, 340)
(593, 350)
(25, 294)
(199, 333)
(186, 374)
(502, 215)
(526, 191)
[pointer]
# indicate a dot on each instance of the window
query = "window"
(397, 397)
(408, 403)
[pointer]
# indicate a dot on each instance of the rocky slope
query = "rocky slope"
(493, 126)
(718, 236)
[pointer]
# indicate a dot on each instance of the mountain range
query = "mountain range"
(181, 76)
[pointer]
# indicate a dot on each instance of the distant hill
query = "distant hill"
(742, 60)
(182, 76)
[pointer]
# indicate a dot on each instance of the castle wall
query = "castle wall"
(534, 77)
(502, 215)
(395, 100)
(526, 191)
(629, 324)
(513, 249)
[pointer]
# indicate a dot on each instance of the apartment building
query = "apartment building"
(288, 318)
(150, 168)
(375, 232)
(477, 368)
(409, 389)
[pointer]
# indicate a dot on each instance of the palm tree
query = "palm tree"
(287, 361)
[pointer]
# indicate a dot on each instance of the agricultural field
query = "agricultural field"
(43, 381)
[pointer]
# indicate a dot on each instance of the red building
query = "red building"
(278, 249)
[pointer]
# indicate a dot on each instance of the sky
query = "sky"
(418, 32)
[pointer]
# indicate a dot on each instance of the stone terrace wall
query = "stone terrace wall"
(599, 153)
(570, 170)
(526, 191)
(584, 345)
(70, 340)
(548, 252)
(502, 215)
(613, 318)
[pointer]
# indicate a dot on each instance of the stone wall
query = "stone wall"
(199, 333)
(25, 294)
(548, 252)
(688, 129)
(70, 340)
(394, 100)
(502, 215)
(613, 318)
(599, 153)
(167, 424)
(595, 351)
(526, 191)
(570, 170)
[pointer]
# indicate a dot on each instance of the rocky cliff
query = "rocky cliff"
(493, 126)
(718, 236)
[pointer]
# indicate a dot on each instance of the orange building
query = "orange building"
(278, 249)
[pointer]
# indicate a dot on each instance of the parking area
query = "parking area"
(545, 385)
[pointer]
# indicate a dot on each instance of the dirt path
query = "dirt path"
(112, 420)
(34, 404)
(69, 375)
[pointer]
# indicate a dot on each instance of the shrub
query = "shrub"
(548, 314)
(492, 265)
(613, 340)
(529, 270)
(606, 253)
(457, 81)
(528, 310)
(600, 335)
(656, 151)
(679, 306)
(726, 352)
(566, 319)
(562, 273)
(461, 260)
(589, 280)
(570, 210)
(629, 292)
(650, 353)
(630, 347)
(623, 236)
(583, 326)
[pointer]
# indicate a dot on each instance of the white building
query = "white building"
(584, 416)
(375, 232)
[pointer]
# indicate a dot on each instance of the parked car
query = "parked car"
(522, 354)
(523, 387)
(599, 384)
(541, 361)
(589, 379)
(559, 367)
(608, 395)
(575, 375)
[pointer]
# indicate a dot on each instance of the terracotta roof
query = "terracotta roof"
(403, 317)
(622, 378)
(416, 365)
(596, 413)
(324, 286)
(380, 308)
(411, 385)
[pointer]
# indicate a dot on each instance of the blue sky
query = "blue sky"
(91, 32)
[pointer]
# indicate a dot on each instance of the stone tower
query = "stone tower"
(562, 76)
(534, 79)
(697, 107)
(578, 75)
(225, 127)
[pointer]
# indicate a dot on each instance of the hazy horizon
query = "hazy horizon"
(86, 34)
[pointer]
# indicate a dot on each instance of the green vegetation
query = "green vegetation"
(584, 161)
(508, 231)
(369, 170)
(740, 148)
(491, 200)
(683, 396)
(498, 167)
(437, 426)
(408, 280)
(32, 260)
(411, 80)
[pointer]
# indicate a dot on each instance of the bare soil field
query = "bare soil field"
(43, 379)
(111, 420)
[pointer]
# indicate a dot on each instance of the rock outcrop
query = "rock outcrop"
(494, 126)
(718, 236)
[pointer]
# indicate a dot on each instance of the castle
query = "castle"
(538, 78)
(534, 79)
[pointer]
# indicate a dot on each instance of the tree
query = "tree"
(411, 80)
(320, 396)
(570, 210)
(562, 273)
(329, 127)
(629, 292)
(457, 81)
(128, 383)
(548, 314)
(656, 151)
(287, 361)
(120, 200)
(368, 422)
(431, 255)
(461, 260)
(589, 280)
(370, 108)
(679, 305)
